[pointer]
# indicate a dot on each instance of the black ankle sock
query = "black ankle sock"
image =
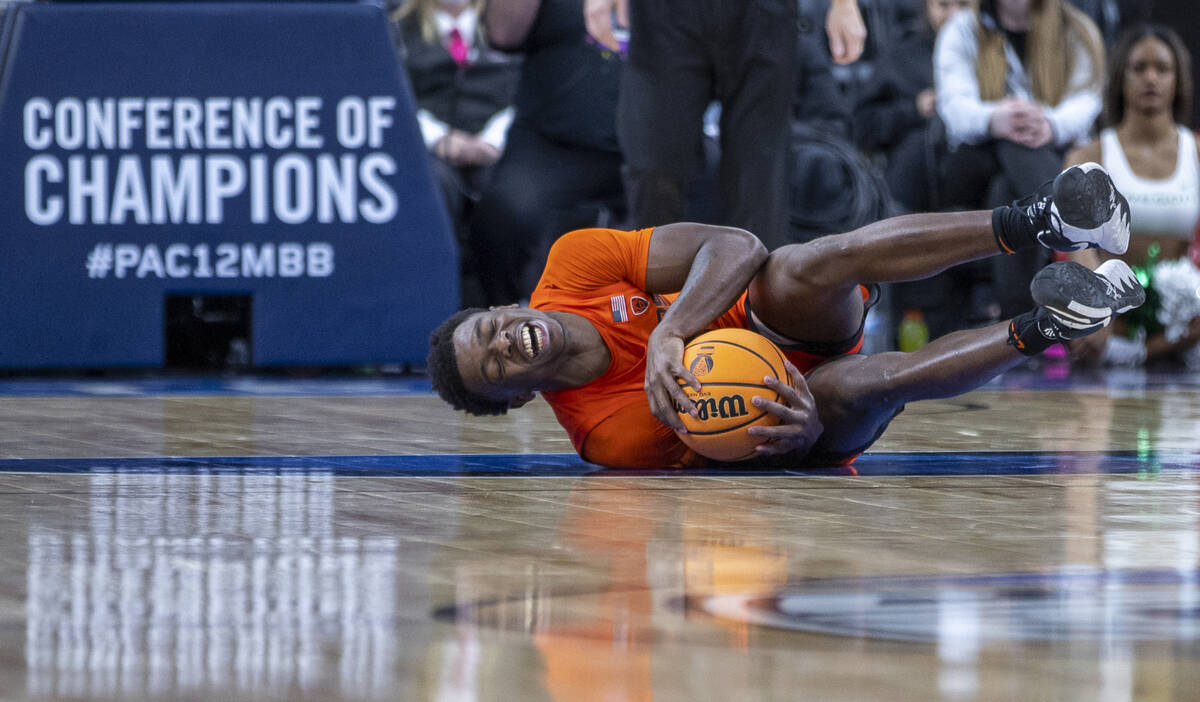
(1026, 334)
(1014, 230)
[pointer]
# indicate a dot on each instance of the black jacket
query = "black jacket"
(887, 108)
(464, 98)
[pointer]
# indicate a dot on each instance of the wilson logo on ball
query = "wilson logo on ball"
(731, 365)
(726, 407)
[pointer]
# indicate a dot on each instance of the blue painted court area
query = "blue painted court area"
(1143, 464)
(1033, 377)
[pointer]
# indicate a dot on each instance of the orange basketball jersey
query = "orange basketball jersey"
(600, 275)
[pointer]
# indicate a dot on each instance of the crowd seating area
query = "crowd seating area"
(255, 172)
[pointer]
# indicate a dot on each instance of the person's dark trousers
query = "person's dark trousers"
(538, 190)
(995, 173)
(460, 188)
(907, 173)
(684, 54)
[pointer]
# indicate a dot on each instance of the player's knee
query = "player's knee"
(812, 264)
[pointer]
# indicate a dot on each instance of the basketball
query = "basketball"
(730, 365)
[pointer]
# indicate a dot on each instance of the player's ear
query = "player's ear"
(521, 400)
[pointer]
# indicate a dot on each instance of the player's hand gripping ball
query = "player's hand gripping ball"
(730, 365)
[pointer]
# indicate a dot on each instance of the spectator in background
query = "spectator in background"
(683, 54)
(1154, 160)
(1018, 82)
(562, 166)
(832, 188)
(464, 93)
(819, 101)
(1108, 15)
(896, 113)
(897, 118)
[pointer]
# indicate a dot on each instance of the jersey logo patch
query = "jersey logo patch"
(639, 304)
(619, 313)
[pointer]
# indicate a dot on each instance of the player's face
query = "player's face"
(1149, 76)
(508, 351)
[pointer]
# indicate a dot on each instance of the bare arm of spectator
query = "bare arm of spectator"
(846, 31)
(507, 22)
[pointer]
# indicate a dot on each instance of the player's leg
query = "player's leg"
(809, 292)
(856, 396)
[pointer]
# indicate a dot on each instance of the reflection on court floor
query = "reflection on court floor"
(964, 612)
(352, 539)
(185, 584)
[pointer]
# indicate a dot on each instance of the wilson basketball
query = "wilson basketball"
(730, 365)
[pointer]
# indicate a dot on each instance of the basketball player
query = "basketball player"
(604, 334)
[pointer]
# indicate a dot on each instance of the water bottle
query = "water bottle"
(913, 333)
(875, 332)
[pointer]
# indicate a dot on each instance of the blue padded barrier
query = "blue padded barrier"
(268, 149)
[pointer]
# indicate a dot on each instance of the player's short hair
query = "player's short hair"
(443, 370)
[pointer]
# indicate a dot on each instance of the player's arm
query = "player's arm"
(799, 423)
(710, 267)
(789, 442)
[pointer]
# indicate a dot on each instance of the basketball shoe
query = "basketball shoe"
(1073, 302)
(1078, 301)
(1079, 209)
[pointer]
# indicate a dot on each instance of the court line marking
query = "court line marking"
(1144, 464)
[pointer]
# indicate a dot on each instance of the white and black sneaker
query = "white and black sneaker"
(1082, 300)
(1074, 301)
(1079, 209)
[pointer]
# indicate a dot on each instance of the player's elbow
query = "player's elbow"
(751, 247)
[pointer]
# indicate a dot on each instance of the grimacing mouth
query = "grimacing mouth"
(533, 337)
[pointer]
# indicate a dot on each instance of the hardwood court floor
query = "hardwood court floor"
(353, 539)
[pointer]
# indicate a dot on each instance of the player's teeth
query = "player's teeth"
(527, 339)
